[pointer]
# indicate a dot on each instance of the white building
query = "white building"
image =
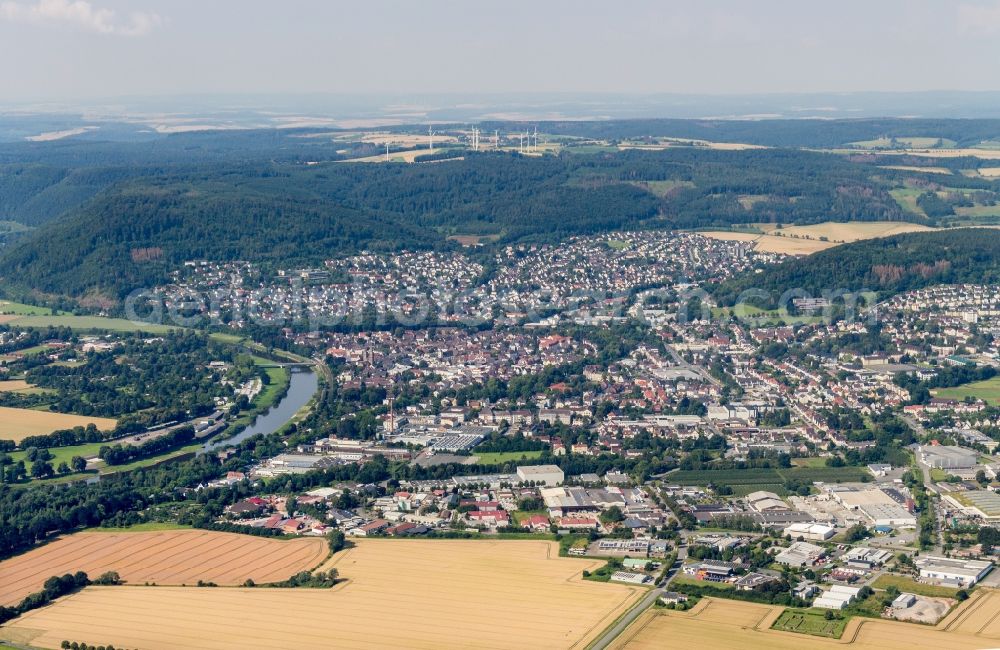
(952, 571)
(541, 474)
(838, 597)
(811, 532)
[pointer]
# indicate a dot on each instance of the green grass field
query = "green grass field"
(661, 188)
(684, 579)
(88, 323)
(907, 199)
(226, 338)
(62, 454)
(812, 461)
(810, 621)
(909, 585)
(8, 307)
(497, 457)
(280, 378)
(988, 390)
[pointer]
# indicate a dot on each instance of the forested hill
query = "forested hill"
(131, 234)
(887, 266)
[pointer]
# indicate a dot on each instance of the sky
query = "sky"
(65, 50)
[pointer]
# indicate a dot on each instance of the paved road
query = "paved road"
(612, 633)
(931, 489)
(680, 361)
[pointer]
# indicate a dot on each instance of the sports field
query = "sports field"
(398, 594)
(18, 424)
(171, 557)
(723, 625)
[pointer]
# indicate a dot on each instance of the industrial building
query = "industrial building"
(838, 597)
(948, 457)
(811, 532)
(541, 474)
(800, 554)
(952, 571)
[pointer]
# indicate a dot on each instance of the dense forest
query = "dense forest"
(303, 214)
(887, 266)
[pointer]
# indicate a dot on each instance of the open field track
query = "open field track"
(722, 625)
(398, 593)
(165, 557)
(18, 424)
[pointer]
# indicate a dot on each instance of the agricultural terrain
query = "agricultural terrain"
(723, 625)
(18, 424)
(170, 557)
(988, 391)
(507, 594)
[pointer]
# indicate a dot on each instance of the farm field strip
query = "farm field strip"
(722, 625)
(182, 556)
(515, 593)
(17, 424)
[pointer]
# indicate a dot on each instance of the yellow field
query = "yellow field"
(18, 424)
(171, 557)
(989, 172)
(14, 386)
(773, 244)
(398, 593)
(852, 230)
(725, 624)
(805, 240)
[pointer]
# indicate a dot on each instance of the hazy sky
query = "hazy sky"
(66, 49)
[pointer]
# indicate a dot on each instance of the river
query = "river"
(302, 387)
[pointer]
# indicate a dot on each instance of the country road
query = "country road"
(647, 601)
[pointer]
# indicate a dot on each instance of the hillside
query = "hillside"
(133, 231)
(887, 266)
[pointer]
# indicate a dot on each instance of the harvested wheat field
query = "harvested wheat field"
(172, 557)
(726, 624)
(14, 386)
(773, 244)
(18, 424)
(850, 231)
(398, 593)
